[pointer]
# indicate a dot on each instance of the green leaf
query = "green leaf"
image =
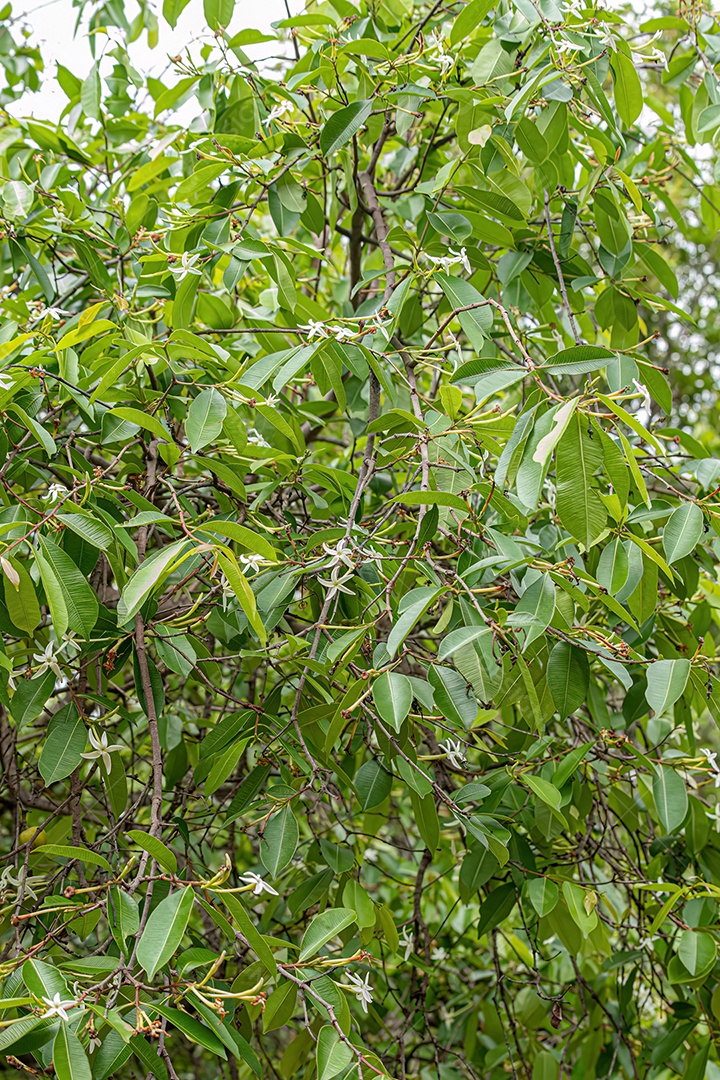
(247, 538)
(332, 1055)
(545, 1066)
(164, 931)
(218, 13)
(144, 420)
(577, 361)
(173, 9)
(342, 125)
(65, 742)
(543, 894)
(79, 599)
(324, 927)
(671, 798)
(544, 790)
(195, 1031)
(279, 841)
(250, 932)
(478, 320)
(21, 598)
(89, 528)
(613, 567)
(64, 851)
(666, 682)
(568, 677)
(148, 575)
(244, 594)
(372, 784)
(628, 88)
(29, 699)
(205, 418)
(69, 1058)
(160, 852)
(123, 915)
(579, 506)
(393, 695)
(582, 912)
(683, 530)
(535, 609)
(697, 951)
(432, 498)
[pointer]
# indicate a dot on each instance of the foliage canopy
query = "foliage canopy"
(359, 548)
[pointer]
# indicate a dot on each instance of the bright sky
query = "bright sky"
(53, 24)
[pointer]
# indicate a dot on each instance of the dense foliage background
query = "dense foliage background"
(359, 540)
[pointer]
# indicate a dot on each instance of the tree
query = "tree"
(359, 548)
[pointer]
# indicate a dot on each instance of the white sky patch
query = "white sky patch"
(53, 24)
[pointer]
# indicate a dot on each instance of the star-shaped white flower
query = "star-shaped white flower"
(315, 329)
(339, 554)
(279, 111)
(251, 562)
(186, 266)
(47, 661)
(407, 941)
(362, 989)
(55, 492)
(336, 584)
(342, 333)
(455, 753)
(9, 880)
(57, 1007)
(712, 762)
(643, 391)
(453, 258)
(255, 438)
(259, 885)
(101, 749)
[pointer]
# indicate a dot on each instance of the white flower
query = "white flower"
(551, 492)
(101, 749)
(408, 940)
(94, 1043)
(69, 642)
(55, 312)
(271, 399)
(251, 562)
(438, 954)
(462, 257)
(643, 391)
(712, 762)
(7, 880)
(339, 554)
(454, 753)
(5, 382)
(453, 258)
(361, 989)
(315, 329)
(278, 111)
(342, 333)
(47, 661)
(55, 492)
(227, 592)
(57, 1007)
(260, 886)
(186, 266)
(437, 45)
(254, 437)
(336, 584)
